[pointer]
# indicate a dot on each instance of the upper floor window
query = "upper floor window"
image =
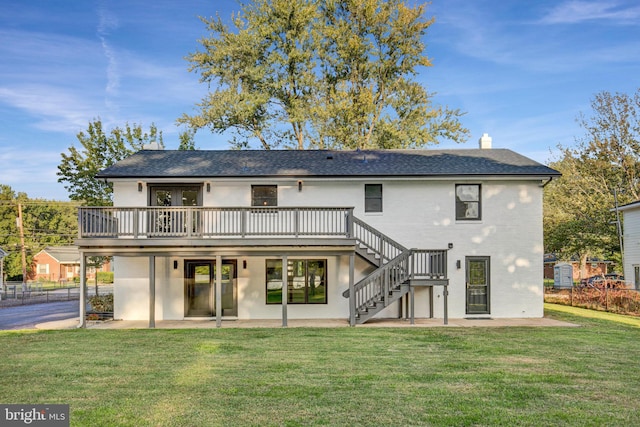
(175, 196)
(264, 195)
(373, 197)
(468, 203)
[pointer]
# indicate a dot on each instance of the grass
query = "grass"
(344, 376)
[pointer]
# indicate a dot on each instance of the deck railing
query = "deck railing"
(428, 264)
(209, 222)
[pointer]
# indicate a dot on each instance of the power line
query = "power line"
(41, 203)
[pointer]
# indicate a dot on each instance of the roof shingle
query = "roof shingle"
(325, 163)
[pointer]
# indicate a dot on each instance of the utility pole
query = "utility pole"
(22, 247)
(619, 226)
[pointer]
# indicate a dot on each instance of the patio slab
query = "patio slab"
(308, 323)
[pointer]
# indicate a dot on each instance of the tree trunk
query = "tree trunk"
(583, 266)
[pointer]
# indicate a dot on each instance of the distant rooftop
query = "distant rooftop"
(64, 254)
(325, 163)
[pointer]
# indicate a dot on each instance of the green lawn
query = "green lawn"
(343, 376)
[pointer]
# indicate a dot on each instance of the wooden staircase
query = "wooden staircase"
(397, 267)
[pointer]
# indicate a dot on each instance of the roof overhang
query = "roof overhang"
(627, 207)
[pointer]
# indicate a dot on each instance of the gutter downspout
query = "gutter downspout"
(545, 184)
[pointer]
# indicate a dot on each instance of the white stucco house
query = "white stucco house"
(631, 243)
(350, 235)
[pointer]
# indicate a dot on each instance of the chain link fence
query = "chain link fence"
(18, 293)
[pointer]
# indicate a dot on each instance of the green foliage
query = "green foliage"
(99, 150)
(45, 223)
(187, 141)
(102, 303)
(105, 276)
(307, 74)
(604, 164)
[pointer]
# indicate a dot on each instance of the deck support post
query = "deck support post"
(83, 296)
(431, 302)
(446, 304)
(352, 292)
(405, 311)
(218, 289)
(412, 304)
(285, 289)
(152, 292)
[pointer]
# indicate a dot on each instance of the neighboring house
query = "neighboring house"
(594, 267)
(60, 264)
(631, 243)
(214, 234)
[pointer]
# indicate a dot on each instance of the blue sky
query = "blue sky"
(521, 70)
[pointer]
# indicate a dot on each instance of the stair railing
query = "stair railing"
(375, 241)
(396, 266)
(376, 288)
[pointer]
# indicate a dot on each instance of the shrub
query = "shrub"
(105, 276)
(102, 303)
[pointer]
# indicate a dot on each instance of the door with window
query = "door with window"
(174, 221)
(199, 288)
(477, 280)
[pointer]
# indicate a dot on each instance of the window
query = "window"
(468, 202)
(306, 281)
(373, 197)
(264, 195)
(175, 196)
(43, 268)
(173, 221)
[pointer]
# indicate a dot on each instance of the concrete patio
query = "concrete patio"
(308, 323)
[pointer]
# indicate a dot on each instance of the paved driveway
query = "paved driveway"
(28, 316)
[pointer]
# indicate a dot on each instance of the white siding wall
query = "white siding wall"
(417, 214)
(126, 194)
(631, 242)
(131, 290)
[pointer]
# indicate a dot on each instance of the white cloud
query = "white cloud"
(577, 11)
(488, 36)
(55, 108)
(32, 170)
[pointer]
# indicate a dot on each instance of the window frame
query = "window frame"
(373, 199)
(175, 193)
(462, 206)
(270, 201)
(276, 266)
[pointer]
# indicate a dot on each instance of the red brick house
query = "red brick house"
(60, 264)
(594, 267)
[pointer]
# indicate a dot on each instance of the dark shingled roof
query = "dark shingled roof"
(325, 163)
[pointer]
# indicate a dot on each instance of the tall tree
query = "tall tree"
(99, 150)
(370, 52)
(603, 165)
(9, 238)
(316, 74)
